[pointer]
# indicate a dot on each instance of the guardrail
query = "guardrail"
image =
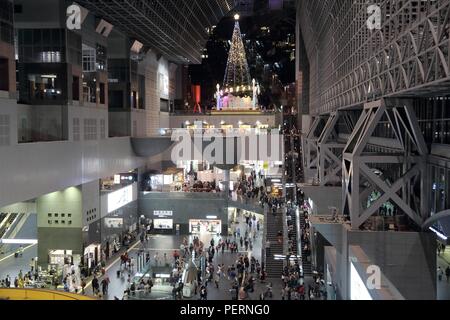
(39, 294)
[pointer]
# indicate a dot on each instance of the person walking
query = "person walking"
(105, 284)
(217, 279)
(447, 273)
(203, 293)
(95, 286)
(440, 273)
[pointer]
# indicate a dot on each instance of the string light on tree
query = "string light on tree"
(239, 91)
(237, 72)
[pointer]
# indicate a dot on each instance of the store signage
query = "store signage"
(163, 213)
(119, 198)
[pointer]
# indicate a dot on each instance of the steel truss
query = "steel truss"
(404, 184)
(177, 29)
(310, 148)
(351, 64)
(330, 148)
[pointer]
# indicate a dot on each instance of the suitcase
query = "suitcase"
(16, 255)
(118, 273)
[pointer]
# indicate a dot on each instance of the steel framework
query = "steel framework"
(330, 148)
(178, 29)
(310, 148)
(403, 183)
(351, 64)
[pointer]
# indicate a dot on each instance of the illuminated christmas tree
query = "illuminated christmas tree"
(237, 73)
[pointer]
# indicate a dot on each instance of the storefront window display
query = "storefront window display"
(205, 226)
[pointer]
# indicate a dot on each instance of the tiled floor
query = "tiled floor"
(167, 244)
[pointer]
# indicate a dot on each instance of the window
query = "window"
(76, 129)
(164, 105)
(102, 129)
(90, 129)
(4, 130)
(17, 8)
(88, 59)
(101, 58)
(4, 74)
(50, 57)
(76, 88)
(102, 93)
(135, 129)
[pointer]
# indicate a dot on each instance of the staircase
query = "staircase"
(307, 268)
(274, 268)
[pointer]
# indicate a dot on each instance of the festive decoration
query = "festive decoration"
(239, 93)
(237, 72)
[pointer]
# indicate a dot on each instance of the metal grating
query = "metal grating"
(351, 65)
(176, 28)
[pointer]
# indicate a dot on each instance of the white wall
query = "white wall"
(67, 202)
(82, 113)
(8, 112)
(90, 202)
(20, 207)
(34, 169)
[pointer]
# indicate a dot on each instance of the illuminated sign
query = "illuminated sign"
(119, 198)
(163, 213)
(163, 84)
(163, 224)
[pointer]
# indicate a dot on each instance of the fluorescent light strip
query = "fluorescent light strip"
(440, 235)
(19, 241)
(211, 217)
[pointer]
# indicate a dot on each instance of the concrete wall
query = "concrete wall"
(185, 206)
(324, 198)
(62, 236)
(66, 202)
(20, 207)
(8, 111)
(52, 166)
(90, 202)
(407, 259)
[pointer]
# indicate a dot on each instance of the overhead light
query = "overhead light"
(51, 76)
(440, 235)
(211, 217)
(18, 241)
(236, 17)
